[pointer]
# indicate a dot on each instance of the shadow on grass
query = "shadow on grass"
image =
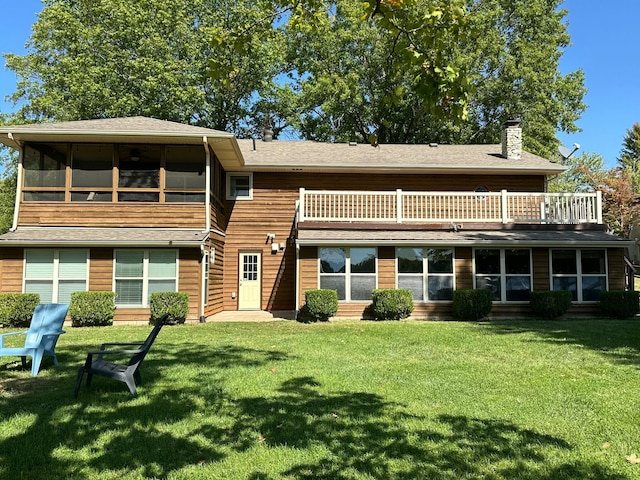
(107, 428)
(363, 436)
(342, 435)
(619, 340)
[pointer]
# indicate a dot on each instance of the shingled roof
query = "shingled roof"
(281, 155)
(126, 130)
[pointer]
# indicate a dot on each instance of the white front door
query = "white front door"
(249, 288)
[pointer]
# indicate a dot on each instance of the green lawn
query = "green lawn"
(339, 400)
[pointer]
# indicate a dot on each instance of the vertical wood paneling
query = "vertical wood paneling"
(464, 268)
(615, 257)
(308, 270)
(386, 267)
(11, 270)
(216, 270)
(190, 279)
(101, 269)
(541, 277)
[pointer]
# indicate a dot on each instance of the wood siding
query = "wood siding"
(215, 301)
(152, 215)
(272, 210)
(11, 270)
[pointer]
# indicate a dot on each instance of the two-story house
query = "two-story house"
(138, 205)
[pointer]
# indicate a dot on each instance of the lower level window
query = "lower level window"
(55, 274)
(582, 272)
(349, 271)
(505, 272)
(139, 273)
(427, 272)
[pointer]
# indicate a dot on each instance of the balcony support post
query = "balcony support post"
(398, 205)
(504, 206)
(599, 206)
(301, 206)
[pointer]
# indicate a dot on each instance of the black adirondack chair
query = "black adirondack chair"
(128, 372)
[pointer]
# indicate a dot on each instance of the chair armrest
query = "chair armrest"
(101, 353)
(120, 344)
(9, 335)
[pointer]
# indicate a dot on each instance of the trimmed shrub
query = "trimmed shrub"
(619, 303)
(392, 304)
(550, 303)
(16, 309)
(176, 304)
(320, 305)
(469, 304)
(92, 309)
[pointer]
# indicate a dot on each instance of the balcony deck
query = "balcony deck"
(450, 208)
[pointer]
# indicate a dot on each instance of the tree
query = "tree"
(629, 158)
(621, 209)
(575, 178)
(159, 58)
(504, 63)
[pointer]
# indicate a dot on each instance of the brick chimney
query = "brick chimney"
(512, 139)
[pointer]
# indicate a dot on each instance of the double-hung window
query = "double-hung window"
(427, 272)
(139, 273)
(349, 271)
(55, 274)
(582, 272)
(505, 272)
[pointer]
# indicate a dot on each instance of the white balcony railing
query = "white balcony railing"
(444, 207)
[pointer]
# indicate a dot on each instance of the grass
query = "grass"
(340, 400)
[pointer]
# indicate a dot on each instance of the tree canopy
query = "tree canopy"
(629, 158)
(405, 71)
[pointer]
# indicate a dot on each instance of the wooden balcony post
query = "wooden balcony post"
(398, 205)
(301, 206)
(504, 206)
(599, 206)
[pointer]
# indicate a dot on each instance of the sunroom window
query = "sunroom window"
(44, 172)
(505, 272)
(139, 173)
(427, 272)
(185, 179)
(349, 271)
(581, 272)
(92, 173)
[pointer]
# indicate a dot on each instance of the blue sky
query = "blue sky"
(604, 39)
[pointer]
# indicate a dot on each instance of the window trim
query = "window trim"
(229, 195)
(145, 274)
(579, 275)
(55, 279)
(347, 271)
(425, 274)
(503, 274)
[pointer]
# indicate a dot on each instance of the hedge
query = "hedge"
(619, 303)
(392, 304)
(92, 309)
(471, 304)
(16, 309)
(550, 303)
(320, 305)
(176, 304)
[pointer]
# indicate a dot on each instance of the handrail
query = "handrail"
(400, 206)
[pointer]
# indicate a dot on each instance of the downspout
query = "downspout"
(16, 207)
(207, 222)
(207, 172)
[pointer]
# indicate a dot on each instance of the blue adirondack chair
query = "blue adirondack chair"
(41, 338)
